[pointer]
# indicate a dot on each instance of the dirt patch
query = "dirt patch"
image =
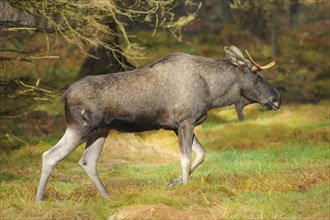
(159, 211)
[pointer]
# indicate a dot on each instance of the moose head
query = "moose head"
(255, 88)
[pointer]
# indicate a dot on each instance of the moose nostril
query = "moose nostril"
(276, 102)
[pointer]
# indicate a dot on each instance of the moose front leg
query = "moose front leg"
(239, 110)
(200, 156)
(186, 135)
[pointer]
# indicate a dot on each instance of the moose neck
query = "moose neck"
(223, 82)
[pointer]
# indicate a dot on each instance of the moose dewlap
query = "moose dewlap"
(174, 93)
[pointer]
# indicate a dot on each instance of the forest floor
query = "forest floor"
(273, 165)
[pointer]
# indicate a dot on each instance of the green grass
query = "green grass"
(273, 165)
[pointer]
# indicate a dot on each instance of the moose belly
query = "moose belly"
(140, 124)
(131, 126)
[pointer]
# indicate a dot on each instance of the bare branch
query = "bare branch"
(84, 23)
(15, 59)
(27, 59)
(34, 87)
(13, 29)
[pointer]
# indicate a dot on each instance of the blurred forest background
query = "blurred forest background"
(46, 45)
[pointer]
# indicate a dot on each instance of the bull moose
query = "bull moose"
(174, 93)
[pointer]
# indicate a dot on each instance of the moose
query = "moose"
(174, 93)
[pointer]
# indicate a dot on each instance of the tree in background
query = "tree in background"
(293, 13)
(93, 22)
(97, 27)
(262, 18)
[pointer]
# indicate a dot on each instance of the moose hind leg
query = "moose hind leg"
(68, 143)
(90, 157)
(200, 156)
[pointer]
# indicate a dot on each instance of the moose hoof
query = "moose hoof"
(39, 200)
(174, 182)
(107, 197)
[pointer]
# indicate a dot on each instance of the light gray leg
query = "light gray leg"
(200, 156)
(68, 143)
(186, 136)
(90, 157)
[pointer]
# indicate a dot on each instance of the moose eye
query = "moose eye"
(258, 77)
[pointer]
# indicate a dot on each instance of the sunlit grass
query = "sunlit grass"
(272, 165)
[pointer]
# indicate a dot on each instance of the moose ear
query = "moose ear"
(235, 56)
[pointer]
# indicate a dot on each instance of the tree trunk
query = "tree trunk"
(275, 24)
(226, 11)
(103, 61)
(274, 39)
(293, 13)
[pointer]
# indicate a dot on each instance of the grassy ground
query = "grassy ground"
(273, 165)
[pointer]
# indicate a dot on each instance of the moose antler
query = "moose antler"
(257, 65)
